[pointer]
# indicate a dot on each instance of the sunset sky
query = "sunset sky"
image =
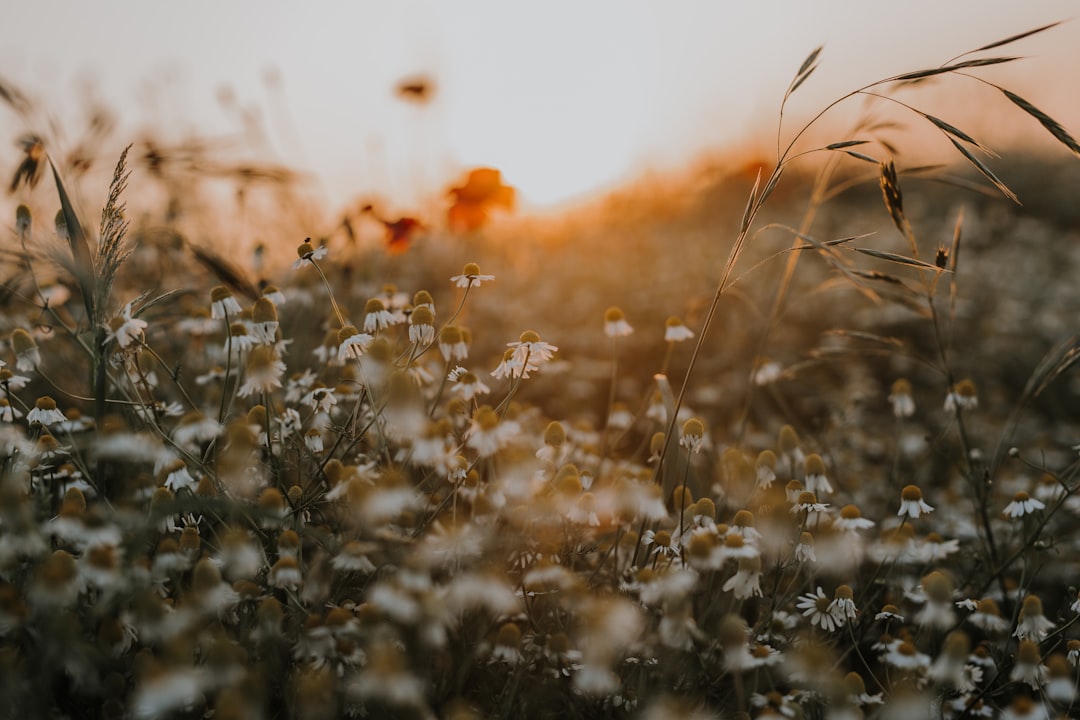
(564, 97)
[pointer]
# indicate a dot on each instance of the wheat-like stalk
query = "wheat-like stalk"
(113, 247)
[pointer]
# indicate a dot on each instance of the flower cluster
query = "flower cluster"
(333, 496)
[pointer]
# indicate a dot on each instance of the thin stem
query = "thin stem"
(228, 368)
(176, 382)
(439, 392)
(605, 442)
(330, 294)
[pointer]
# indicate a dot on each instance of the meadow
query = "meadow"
(794, 438)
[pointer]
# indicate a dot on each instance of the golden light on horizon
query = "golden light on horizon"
(566, 99)
(552, 158)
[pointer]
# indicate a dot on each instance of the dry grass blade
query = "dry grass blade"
(821, 355)
(986, 171)
(1050, 368)
(813, 244)
(845, 144)
(958, 133)
(954, 258)
(823, 247)
(966, 184)
(1055, 363)
(750, 201)
(863, 156)
(14, 98)
(772, 185)
(954, 252)
(801, 80)
(853, 153)
(888, 145)
(867, 337)
(837, 262)
(924, 169)
(666, 393)
(805, 70)
(161, 299)
(83, 264)
(894, 258)
(1054, 366)
(830, 243)
(965, 65)
(1014, 38)
(1052, 126)
(810, 59)
(880, 276)
(225, 271)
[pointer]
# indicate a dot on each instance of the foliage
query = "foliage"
(316, 504)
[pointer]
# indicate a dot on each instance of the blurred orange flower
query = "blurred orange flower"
(483, 190)
(399, 233)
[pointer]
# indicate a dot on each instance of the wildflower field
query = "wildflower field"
(794, 442)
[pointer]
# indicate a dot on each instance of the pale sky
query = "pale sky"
(565, 97)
